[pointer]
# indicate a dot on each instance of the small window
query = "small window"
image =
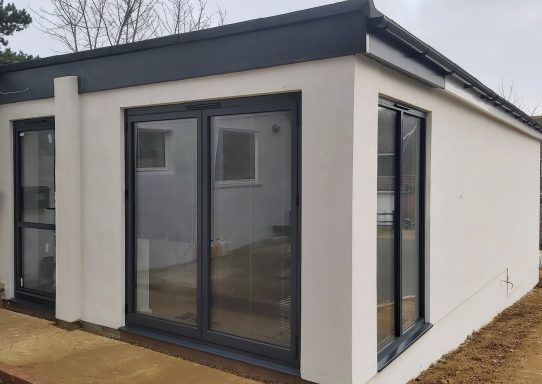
(236, 156)
(152, 150)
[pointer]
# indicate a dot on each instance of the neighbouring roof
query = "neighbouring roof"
(329, 31)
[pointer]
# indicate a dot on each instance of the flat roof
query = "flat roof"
(334, 30)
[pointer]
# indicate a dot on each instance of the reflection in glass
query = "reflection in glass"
(410, 208)
(251, 250)
(38, 176)
(166, 220)
(38, 259)
(236, 151)
(387, 121)
(151, 149)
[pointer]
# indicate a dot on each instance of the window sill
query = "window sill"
(152, 169)
(237, 184)
(391, 351)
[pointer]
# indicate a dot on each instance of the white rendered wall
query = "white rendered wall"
(327, 115)
(69, 273)
(9, 113)
(482, 193)
(327, 88)
(482, 219)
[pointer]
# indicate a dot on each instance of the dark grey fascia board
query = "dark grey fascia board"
(384, 26)
(386, 51)
(315, 34)
(324, 32)
(312, 14)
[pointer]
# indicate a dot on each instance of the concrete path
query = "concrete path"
(45, 354)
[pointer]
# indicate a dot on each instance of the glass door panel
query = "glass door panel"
(251, 246)
(166, 225)
(387, 121)
(38, 176)
(38, 251)
(410, 219)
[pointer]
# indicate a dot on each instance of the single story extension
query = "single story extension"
(318, 195)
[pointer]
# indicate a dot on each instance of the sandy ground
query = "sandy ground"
(508, 350)
(55, 356)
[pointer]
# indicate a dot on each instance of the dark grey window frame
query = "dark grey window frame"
(201, 337)
(21, 293)
(405, 339)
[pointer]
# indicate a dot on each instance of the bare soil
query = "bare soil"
(508, 350)
(48, 354)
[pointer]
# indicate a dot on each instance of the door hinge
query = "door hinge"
(22, 282)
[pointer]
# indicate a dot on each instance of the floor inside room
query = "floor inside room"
(250, 292)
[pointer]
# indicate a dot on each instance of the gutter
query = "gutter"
(383, 24)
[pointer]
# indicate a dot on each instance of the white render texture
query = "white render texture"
(69, 274)
(481, 218)
(482, 206)
(327, 88)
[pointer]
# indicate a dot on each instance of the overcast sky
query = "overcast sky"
(495, 40)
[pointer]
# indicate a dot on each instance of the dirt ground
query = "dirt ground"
(508, 350)
(50, 355)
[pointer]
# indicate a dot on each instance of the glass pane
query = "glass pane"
(38, 259)
(166, 223)
(410, 220)
(251, 245)
(38, 176)
(387, 121)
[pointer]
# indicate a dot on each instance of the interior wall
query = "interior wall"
(9, 113)
(482, 219)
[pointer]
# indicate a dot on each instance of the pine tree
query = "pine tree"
(12, 20)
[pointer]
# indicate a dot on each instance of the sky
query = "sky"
(498, 41)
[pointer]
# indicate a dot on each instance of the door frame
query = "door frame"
(202, 334)
(22, 126)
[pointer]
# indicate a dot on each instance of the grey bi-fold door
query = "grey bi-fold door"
(212, 204)
(34, 171)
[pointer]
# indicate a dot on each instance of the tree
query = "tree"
(509, 94)
(12, 20)
(11, 57)
(90, 24)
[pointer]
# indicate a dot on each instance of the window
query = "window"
(236, 156)
(400, 229)
(152, 149)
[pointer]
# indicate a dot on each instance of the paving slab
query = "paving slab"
(46, 354)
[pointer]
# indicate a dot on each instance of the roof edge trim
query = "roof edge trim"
(391, 28)
(301, 16)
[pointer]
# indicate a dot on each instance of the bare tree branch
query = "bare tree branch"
(509, 94)
(91, 24)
